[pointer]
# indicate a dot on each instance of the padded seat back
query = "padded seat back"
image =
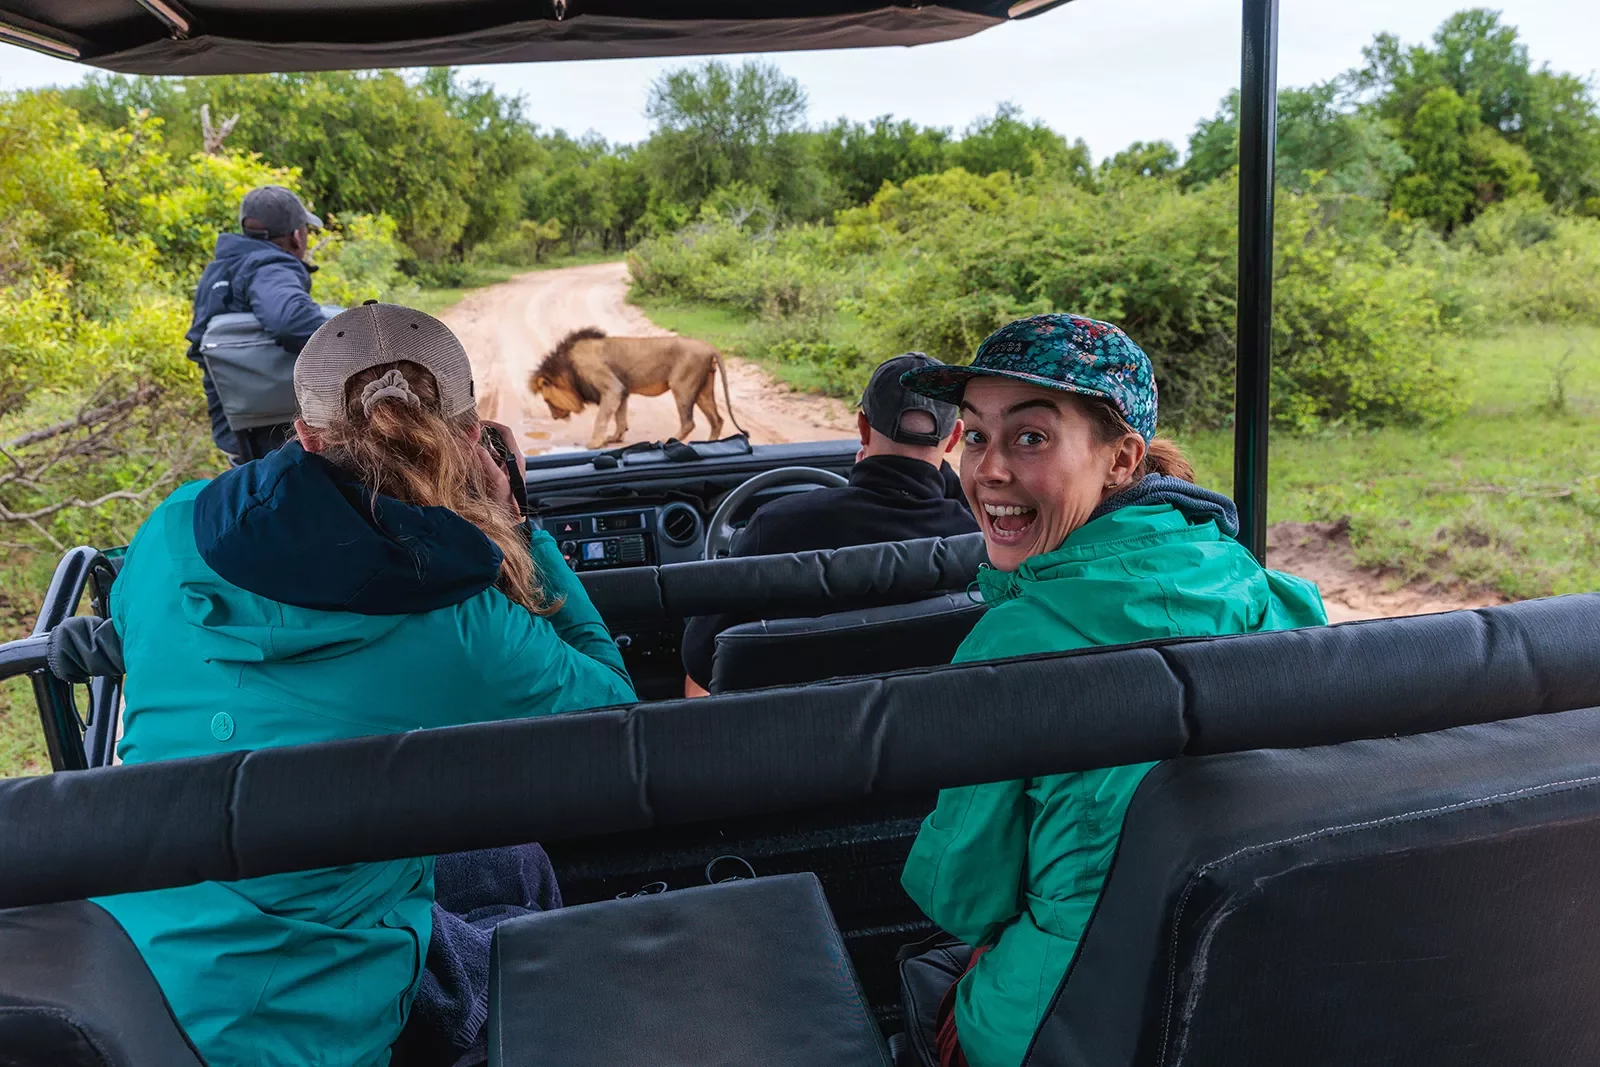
(1408, 901)
(74, 992)
(924, 633)
(742, 972)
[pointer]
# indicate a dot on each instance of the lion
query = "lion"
(589, 367)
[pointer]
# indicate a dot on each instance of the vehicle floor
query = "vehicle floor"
(508, 328)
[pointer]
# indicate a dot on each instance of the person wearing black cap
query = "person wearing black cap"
(261, 270)
(900, 489)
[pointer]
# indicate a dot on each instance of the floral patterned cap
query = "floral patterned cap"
(1066, 352)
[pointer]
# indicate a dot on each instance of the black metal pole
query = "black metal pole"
(1258, 122)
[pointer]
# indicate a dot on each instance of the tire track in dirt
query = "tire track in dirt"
(508, 328)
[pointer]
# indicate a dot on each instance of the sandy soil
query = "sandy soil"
(508, 328)
(1320, 551)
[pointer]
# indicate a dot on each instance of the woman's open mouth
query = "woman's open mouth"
(1009, 523)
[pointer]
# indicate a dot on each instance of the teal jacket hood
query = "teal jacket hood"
(297, 530)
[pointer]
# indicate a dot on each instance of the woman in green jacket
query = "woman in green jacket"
(371, 577)
(1096, 535)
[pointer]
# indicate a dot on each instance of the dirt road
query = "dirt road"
(508, 328)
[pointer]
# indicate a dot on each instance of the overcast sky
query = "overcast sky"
(1109, 71)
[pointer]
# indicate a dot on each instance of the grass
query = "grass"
(1505, 498)
(435, 301)
(24, 574)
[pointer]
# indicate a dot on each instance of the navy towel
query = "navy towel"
(473, 891)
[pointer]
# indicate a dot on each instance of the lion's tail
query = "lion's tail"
(727, 395)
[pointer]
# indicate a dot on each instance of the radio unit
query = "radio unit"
(614, 539)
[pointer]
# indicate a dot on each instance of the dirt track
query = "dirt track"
(508, 328)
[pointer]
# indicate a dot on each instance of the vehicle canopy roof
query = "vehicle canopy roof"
(253, 36)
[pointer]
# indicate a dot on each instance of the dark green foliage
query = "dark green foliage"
(1320, 142)
(1550, 116)
(862, 157)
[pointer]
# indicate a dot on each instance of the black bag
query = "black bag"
(252, 373)
(927, 971)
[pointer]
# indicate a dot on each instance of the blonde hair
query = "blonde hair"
(413, 453)
(1161, 455)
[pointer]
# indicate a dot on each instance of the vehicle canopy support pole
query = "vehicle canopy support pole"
(1258, 122)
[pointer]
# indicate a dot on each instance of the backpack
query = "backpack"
(252, 373)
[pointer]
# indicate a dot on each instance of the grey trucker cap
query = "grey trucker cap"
(276, 208)
(886, 400)
(371, 335)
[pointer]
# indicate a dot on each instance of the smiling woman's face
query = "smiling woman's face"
(1033, 466)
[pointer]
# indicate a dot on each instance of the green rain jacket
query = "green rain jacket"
(277, 605)
(1018, 866)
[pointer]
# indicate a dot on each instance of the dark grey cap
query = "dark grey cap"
(276, 209)
(885, 401)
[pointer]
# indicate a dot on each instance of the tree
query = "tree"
(860, 157)
(717, 125)
(439, 156)
(1462, 165)
(503, 146)
(1552, 116)
(1318, 138)
(1142, 159)
(1003, 141)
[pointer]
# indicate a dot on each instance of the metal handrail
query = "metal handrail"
(74, 743)
(23, 657)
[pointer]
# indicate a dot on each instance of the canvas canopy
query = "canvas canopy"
(252, 36)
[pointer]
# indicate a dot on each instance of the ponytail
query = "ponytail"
(1161, 455)
(397, 444)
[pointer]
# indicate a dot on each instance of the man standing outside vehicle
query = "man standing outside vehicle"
(261, 270)
(900, 489)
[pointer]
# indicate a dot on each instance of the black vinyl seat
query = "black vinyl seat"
(739, 973)
(74, 992)
(924, 633)
(1405, 901)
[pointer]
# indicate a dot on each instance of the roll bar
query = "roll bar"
(249, 813)
(1258, 137)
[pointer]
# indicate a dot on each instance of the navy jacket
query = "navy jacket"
(250, 274)
(889, 498)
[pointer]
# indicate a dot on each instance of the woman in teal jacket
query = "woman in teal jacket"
(1096, 536)
(371, 577)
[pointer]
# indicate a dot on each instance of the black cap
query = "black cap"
(886, 401)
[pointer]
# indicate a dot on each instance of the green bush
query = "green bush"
(1533, 264)
(359, 259)
(940, 261)
(1358, 333)
(100, 410)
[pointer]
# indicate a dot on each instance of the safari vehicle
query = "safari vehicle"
(1368, 843)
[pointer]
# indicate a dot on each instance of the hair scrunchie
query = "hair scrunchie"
(393, 384)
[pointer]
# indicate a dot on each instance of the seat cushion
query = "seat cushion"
(744, 972)
(925, 633)
(74, 992)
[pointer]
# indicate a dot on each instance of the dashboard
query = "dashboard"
(634, 537)
(643, 508)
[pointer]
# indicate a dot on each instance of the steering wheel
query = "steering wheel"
(719, 531)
